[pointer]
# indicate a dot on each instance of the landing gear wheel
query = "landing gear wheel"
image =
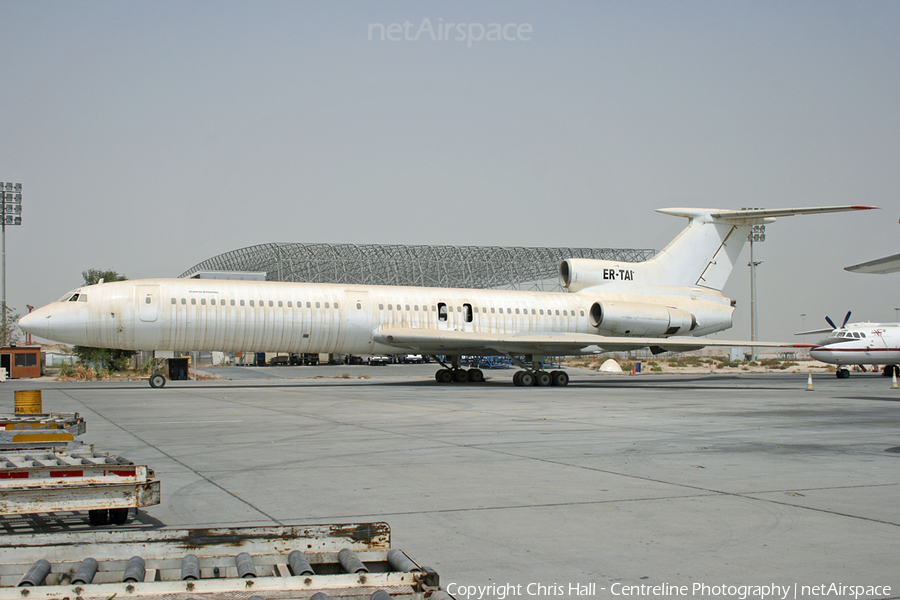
(526, 379)
(890, 370)
(542, 379)
(98, 517)
(443, 376)
(842, 374)
(517, 378)
(476, 375)
(118, 516)
(460, 376)
(560, 378)
(157, 380)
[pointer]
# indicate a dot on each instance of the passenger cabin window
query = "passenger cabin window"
(442, 311)
(467, 313)
(173, 300)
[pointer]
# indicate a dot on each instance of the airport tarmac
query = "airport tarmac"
(649, 480)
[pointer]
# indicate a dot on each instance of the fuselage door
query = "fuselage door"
(148, 302)
(358, 322)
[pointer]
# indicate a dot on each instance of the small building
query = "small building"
(21, 361)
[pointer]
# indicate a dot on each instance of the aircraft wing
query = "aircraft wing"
(430, 341)
(816, 331)
(888, 264)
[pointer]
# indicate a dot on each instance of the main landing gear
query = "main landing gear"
(453, 373)
(534, 374)
(890, 370)
(540, 378)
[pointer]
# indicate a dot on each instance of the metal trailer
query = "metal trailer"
(347, 561)
(73, 478)
(42, 428)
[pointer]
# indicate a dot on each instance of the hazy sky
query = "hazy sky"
(150, 136)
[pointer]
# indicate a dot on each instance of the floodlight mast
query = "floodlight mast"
(10, 214)
(757, 234)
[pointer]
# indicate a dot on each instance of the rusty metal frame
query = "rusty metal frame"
(162, 551)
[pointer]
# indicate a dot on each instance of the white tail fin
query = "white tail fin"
(705, 252)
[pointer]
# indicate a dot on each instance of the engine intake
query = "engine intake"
(639, 319)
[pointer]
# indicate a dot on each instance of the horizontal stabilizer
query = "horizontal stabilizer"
(757, 215)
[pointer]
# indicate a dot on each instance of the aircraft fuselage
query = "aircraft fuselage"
(244, 316)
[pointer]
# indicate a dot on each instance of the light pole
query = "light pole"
(11, 215)
(897, 314)
(803, 322)
(757, 234)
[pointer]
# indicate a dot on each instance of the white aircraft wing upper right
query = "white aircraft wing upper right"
(888, 264)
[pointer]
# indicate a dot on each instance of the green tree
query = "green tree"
(93, 276)
(110, 359)
(9, 327)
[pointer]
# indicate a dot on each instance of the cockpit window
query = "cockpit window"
(82, 297)
(74, 298)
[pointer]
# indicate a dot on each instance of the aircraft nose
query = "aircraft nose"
(36, 323)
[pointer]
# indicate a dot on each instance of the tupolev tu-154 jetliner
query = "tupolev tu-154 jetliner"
(663, 303)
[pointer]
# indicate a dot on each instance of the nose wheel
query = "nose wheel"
(157, 380)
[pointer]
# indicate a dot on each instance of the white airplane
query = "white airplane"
(662, 303)
(858, 344)
(888, 264)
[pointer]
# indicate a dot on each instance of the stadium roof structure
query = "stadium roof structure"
(428, 266)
